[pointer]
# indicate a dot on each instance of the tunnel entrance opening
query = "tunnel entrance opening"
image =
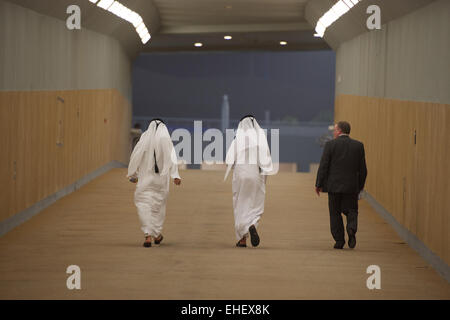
(291, 91)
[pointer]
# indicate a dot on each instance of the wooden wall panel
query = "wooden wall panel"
(50, 139)
(407, 152)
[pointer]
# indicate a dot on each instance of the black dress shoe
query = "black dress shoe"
(254, 238)
(351, 239)
(147, 244)
(339, 245)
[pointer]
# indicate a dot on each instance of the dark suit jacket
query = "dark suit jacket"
(342, 167)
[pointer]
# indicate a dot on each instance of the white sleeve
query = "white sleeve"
(230, 158)
(174, 168)
(136, 156)
(174, 172)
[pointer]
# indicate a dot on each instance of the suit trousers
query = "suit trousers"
(346, 203)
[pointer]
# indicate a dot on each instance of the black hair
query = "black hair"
(344, 126)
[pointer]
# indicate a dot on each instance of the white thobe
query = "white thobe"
(249, 155)
(249, 191)
(152, 188)
(150, 198)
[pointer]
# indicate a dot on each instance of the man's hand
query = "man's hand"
(133, 179)
(360, 195)
(318, 191)
(177, 181)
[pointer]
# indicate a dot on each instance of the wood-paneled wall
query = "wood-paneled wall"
(408, 158)
(50, 139)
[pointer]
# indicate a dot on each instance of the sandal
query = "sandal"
(159, 239)
(242, 245)
(254, 237)
(239, 244)
(148, 244)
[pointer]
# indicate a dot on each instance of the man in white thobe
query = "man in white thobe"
(249, 154)
(153, 162)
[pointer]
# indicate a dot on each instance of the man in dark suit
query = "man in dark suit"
(342, 173)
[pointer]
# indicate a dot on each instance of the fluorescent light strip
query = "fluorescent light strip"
(118, 9)
(334, 13)
(146, 38)
(340, 8)
(349, 3)
(143, 33)
(105, 4)
(140, 28)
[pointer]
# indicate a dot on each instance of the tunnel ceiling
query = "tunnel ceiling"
(253, 24)
(175, 25)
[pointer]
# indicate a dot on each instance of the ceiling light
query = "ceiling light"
(328, 18)
(198, 44)
(228, 7)
(105, 4)
(283, 43)
(135, 19)
(140, 28)
(143, 32)
(320, 28)
(146, 38)
(335, 12)
(349, 3)
(118, 9)
(228, 37)
(340, 8)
